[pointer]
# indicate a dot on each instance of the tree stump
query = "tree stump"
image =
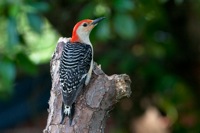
(94, 103)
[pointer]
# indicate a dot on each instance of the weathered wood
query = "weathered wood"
(92, 106)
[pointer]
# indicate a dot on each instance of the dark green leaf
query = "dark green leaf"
(7, 70)
(103, 31)
(12, 32)
(123, 5)
(35, 22)
(7, 76)
(128, 64)
(40, 6)
(14, 9)
(125, 26)
(26, 64)
(87, 11)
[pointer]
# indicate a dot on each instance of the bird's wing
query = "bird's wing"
(73, 70)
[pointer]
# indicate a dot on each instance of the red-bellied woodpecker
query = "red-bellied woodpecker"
(76, 65)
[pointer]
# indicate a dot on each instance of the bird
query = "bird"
(76, 65)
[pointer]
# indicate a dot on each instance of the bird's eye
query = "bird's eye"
(85, 24)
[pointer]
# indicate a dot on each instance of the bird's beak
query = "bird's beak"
(96, 21)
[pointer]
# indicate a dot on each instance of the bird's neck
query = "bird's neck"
(83, 39)
(75, 38)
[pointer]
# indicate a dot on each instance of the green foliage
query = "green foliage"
(19, 19)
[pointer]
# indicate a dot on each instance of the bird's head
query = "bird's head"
(82, 30)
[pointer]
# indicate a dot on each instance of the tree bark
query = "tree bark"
(92, 106)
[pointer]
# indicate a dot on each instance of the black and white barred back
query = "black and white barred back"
(74, 66)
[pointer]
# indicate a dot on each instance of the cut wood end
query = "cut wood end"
(123, 86)
(122, 82)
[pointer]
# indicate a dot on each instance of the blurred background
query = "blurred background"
(155, 42)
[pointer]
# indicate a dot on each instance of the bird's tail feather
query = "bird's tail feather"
(67, 111)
